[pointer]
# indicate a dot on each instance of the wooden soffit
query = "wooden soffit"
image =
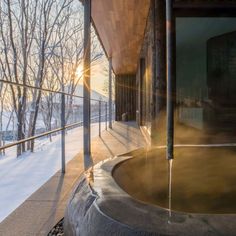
(120, 25)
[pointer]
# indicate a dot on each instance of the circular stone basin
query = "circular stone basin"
(127, 195)
(203, 179)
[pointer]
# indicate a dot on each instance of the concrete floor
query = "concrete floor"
(43, 209)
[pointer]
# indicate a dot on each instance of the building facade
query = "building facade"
(195, 54)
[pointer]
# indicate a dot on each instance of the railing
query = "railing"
(102, 107)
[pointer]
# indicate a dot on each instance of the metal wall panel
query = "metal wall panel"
(125, 96)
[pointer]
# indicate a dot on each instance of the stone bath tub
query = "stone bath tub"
(128, 195)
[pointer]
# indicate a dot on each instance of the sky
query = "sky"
(99, 76)
(99, 71)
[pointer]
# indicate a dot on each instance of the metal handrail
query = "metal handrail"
(46, 90)
(44, 134)
(63, 126)
(38, 136)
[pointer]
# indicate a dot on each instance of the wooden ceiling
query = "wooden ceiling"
(120, 25)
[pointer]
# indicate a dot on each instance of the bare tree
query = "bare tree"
(3, 91)
(50, 12)
(69, 56)
(17, 24)
(48, 100)
(41, 44)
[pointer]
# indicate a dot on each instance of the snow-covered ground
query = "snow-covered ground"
(20, 177)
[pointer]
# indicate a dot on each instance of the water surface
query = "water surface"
(203, 179)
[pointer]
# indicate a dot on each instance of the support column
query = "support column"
(63, 122)
(88, 162)
(110, 93)
(170, 79)
(153, 91)
(159, 87)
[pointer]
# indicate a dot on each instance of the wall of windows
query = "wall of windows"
(205, 72)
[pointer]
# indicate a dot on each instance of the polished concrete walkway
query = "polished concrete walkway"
(43, 209)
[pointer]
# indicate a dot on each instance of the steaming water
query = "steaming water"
(170, 162)
(148, 148)
(202, 180)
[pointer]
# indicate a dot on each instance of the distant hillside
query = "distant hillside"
(94, 95)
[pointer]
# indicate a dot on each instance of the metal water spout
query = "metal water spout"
(170, 162)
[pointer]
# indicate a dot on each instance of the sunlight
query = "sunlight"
(79, 71)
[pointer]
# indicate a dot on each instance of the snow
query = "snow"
(20, 177)
(94, 95)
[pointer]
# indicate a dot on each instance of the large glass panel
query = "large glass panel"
(206, 79)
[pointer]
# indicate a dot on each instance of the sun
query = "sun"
(79, 71)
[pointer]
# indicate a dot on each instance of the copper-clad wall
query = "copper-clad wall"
(125, 96)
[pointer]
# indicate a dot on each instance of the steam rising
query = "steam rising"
(203, 178)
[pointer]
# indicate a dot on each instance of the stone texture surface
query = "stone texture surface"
(57, 230)
(99, 207)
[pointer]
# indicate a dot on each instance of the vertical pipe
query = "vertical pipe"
(153, 82)
(110, 93)
(86, 85)
(113, 112)
(117, 100)
(170, 79)
(106, 114)
(99, 117)
(142, 99)
(63, 168)
(160, 67)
